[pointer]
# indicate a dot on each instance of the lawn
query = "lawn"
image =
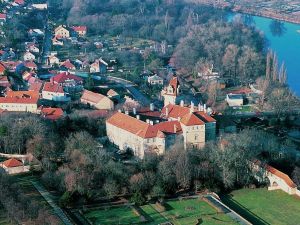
(261, 206)
(187, 212)
(113, 215)
(154, 217)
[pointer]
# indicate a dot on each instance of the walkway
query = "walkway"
(236, 217)
(48, 197)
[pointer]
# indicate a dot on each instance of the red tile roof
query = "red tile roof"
(2, 68)
(3, 16)
(63, 77)
(90, 96)
(18, 100)
(12, 163)
(112, 93)
(53, 87)
(281, 175)
(68, 65)
(79, 28)
(205, 117)
(36, 86)
(19, 2)
(191, 119)
(30, 65)
(52, 113)
(170, 127)
(22, 94)
(4, 82)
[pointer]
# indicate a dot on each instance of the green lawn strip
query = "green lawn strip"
(155, 217)
(112, 215)
(187, 212)
(261, 206)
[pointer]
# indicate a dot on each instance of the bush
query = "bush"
(66, 199)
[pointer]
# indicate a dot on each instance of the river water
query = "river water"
(284, 39)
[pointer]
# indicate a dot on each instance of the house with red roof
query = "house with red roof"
(4, 82)
(189, 127)
(54, 92)
(2, 17)
(14, 166)
(62, 32)
(51, 113)
(68, 65)
(30, 65)
(68, 81)
(20, 101)
(2, 68)
(80, 30)
(96, 100)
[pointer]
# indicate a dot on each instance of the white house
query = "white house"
(235, 99)
(155, 80)
(54, 92)
(53, 60)
(28, 56)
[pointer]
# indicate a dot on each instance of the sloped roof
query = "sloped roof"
(36, 86)
(2, 16)
(281, 175)
(92, 97)
(52, 113)
(12, 163)
(2, 67)
(53, 87)
(170, 127)
(174, 83)
(30, 64)
(79, 28)
(68, 64)
(62, 77)
(22, 94)
(191, 119)
(112, 93)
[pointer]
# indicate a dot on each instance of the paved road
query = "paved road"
(131, 87)
(48, 197)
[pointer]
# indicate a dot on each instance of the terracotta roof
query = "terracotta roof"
(62, 77)
(4, 82)
(53, 87)
(91, 96)
(2, 67)
(68, 64)
(3, 16)
(281, 175)
(12, 163)
(133, 125)
(205, 117)
(52, 113)
(22, 94)
(36, 86)
(191, 119)
(170, 127)
(18, 100)
(79, 28)
(30, 64)
(112, 93)
(20, 2)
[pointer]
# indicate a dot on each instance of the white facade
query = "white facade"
(234, 100)
(55, 96)
(28, 56)
(19, 107)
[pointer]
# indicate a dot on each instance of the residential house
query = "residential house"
(96, 100)
(234, 100)
(27, 75)
(155, 132)
(14, 166)
(53, 60)
(62, 32)
(4, 82)
(54, 92)
(207, 73)
(36, 33)
(51, 113)
(40, 6)
(68, 65)
(2, 18)
(32, 47)
(170, 93)
(80, 30)
(112, 94)
(155, 80)
(2, 68)
(57, 42)
(20, 101)
(28, 56)
(36, 86)
(99, 66)
(30, 65)
(68, 81)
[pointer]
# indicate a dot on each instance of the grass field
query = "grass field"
(114, 215)
(261, 206)
(184, 212)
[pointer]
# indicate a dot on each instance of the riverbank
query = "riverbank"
(286, 11)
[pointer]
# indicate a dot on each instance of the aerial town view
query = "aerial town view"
(154, 112)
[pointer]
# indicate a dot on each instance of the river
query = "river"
(284, 39)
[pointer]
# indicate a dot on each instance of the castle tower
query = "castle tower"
(171, 92)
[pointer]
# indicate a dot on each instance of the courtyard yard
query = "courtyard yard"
(261, 206)
(179, 212)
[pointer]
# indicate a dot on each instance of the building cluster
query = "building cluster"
(151, 131)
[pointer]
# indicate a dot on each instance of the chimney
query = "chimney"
(134, 111)
(152, 107)
(157, 121)
(192, 107)
(204, 106)
(147, 121)
(138, 117)
(178, 118)
(175, 128)
(126, 112)
(119, 110)
(151, 122)
(167, 111)
(181, 103)
(199, 107)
